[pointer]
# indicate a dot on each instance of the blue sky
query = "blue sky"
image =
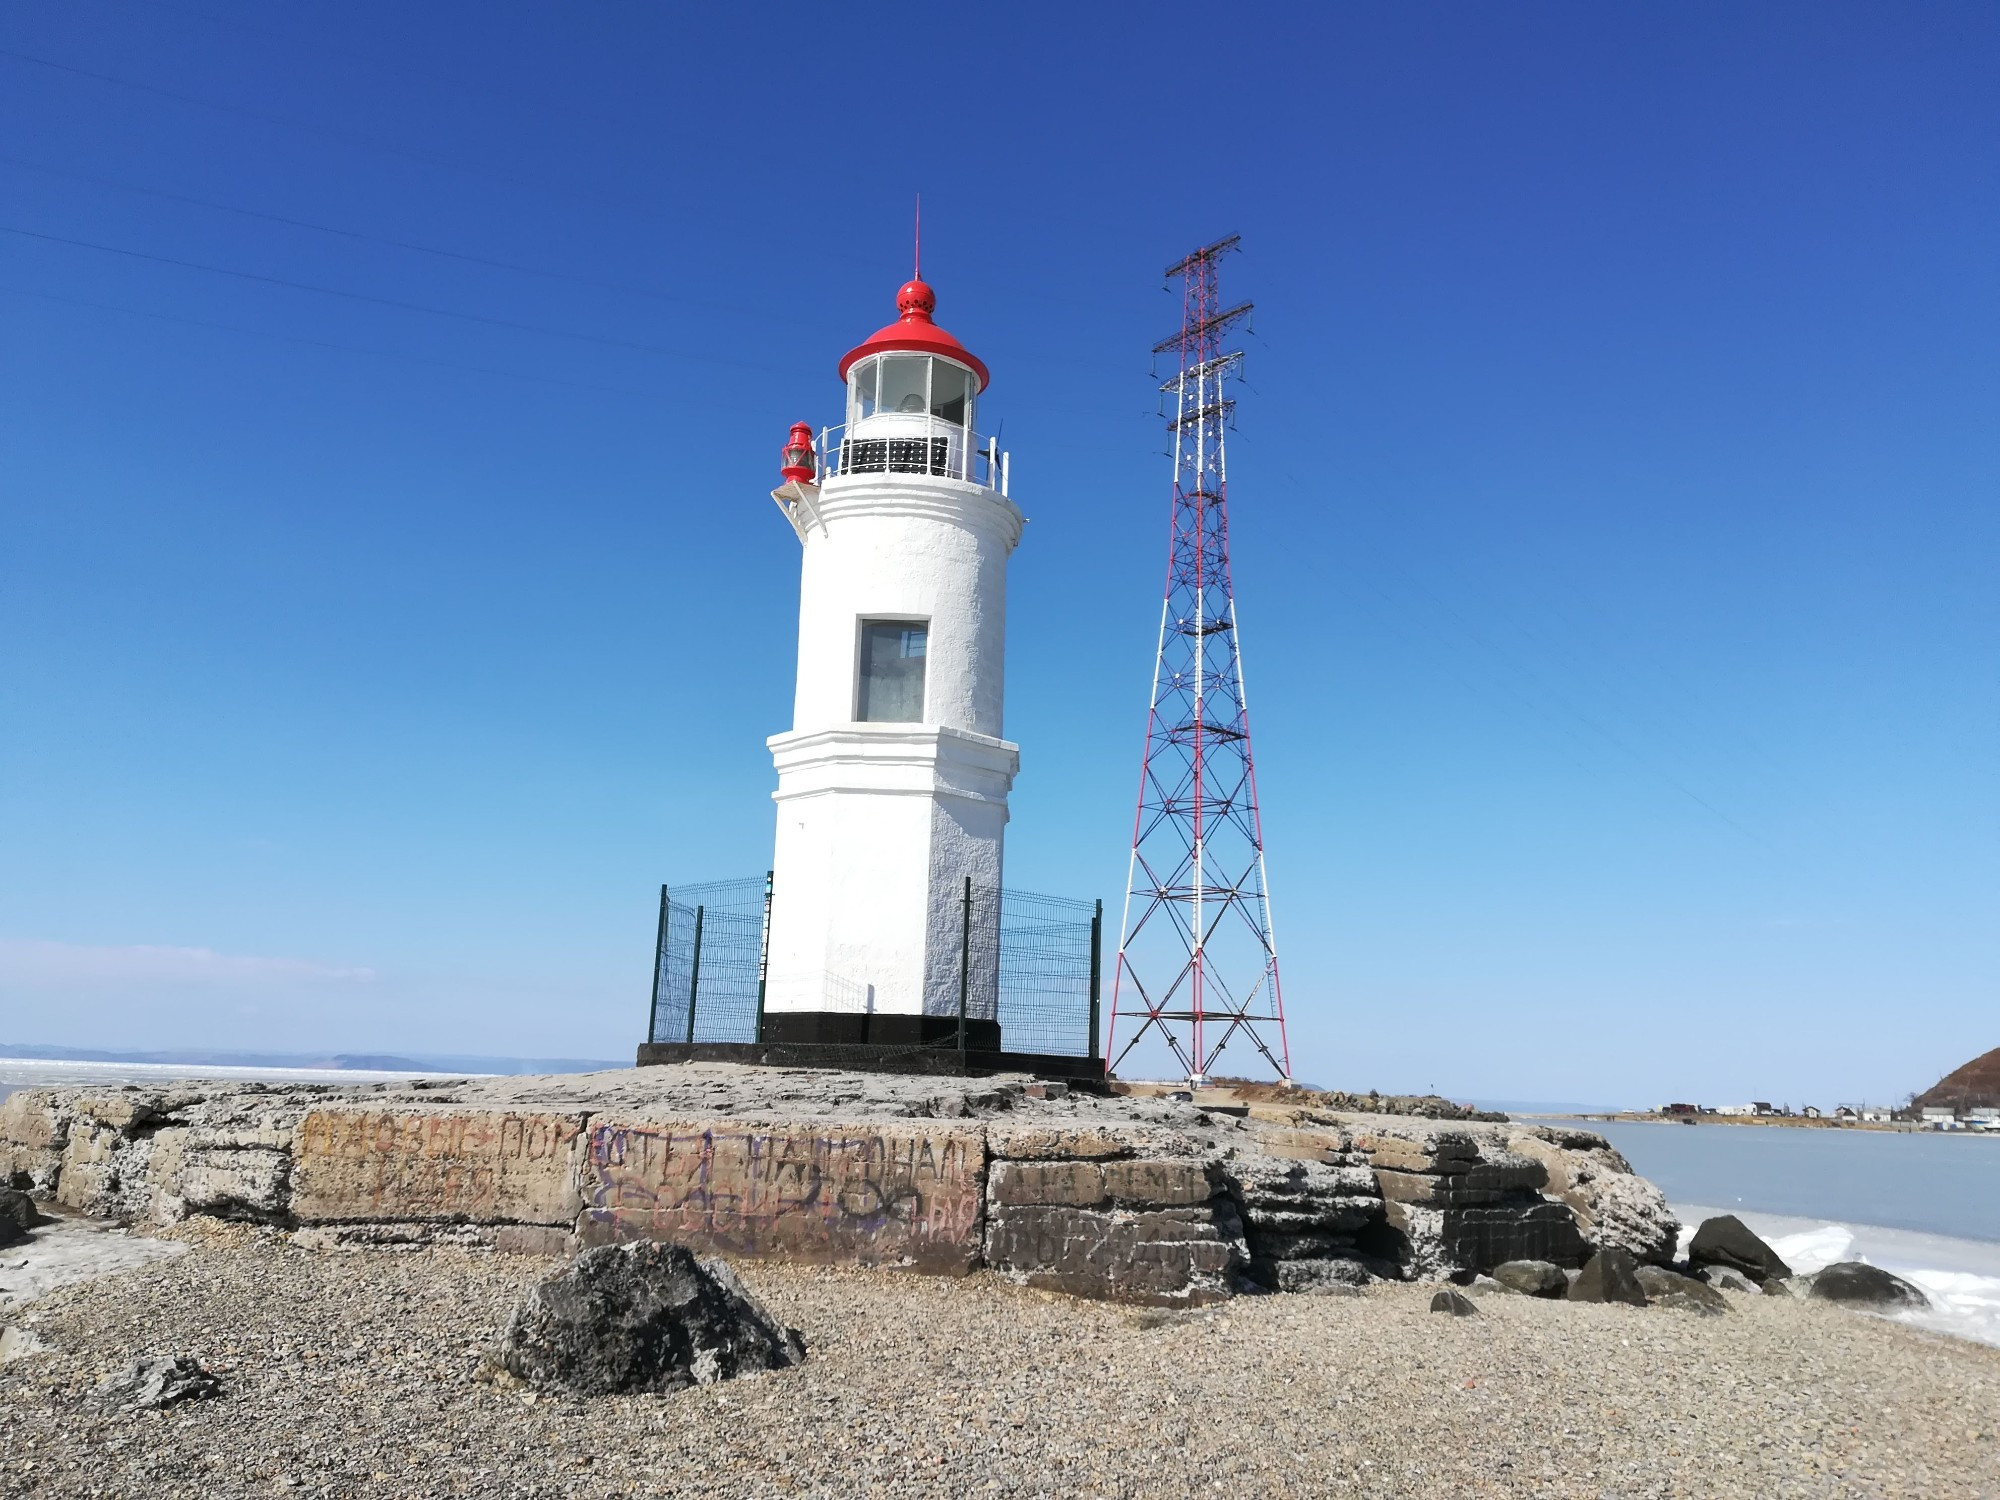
(1613, 502)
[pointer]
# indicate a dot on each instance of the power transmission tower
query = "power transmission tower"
(1197, 963)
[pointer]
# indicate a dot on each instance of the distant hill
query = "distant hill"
(1974, 1086)
(418, 1062)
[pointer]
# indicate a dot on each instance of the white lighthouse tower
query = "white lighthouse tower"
(893, 779)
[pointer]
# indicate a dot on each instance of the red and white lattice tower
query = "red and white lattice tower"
(1197, 963)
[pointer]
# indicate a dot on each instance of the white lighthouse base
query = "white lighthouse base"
(879, 825)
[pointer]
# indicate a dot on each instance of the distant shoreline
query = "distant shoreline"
(1773, 1122)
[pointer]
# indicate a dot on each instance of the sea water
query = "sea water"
(1925, 1205)
(35, 1072)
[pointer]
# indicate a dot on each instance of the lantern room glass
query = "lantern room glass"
(911, 385)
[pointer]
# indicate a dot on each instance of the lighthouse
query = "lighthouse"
(893, 779)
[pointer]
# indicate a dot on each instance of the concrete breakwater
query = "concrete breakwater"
(1162, 1200)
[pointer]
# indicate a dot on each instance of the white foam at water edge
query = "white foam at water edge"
(1961, 1277)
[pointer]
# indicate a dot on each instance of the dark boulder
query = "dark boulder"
(1857, 1282)
(1665, 1288)
(1532, 1278)
(153, 1381)
(1723, 1279)
(1609, 1276)
(17, 1215)
(1726, 1241)
(641, 1317)
(1454, 1302)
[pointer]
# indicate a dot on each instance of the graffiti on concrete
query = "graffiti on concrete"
(479, 1166)
(856, 1193)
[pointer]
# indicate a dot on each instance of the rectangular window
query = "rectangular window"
(892, 671)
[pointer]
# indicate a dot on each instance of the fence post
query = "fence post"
(694, 975)
(659, 953)
(1096, 963)
(964, 962)
(764, 956)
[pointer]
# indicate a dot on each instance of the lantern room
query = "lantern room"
(912, 392)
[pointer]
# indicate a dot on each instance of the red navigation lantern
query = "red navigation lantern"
(799, 465)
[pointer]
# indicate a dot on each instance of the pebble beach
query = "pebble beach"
(359, 1373)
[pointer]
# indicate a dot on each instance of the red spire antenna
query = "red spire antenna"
(1197, 961)
(917, 271)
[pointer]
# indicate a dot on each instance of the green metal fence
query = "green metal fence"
(708, 961)
(1030, 961)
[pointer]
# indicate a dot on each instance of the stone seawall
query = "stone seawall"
(1157, 1200)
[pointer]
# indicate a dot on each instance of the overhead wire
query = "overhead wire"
(345, 137)
(399, 244)
(318, 48)
(624, 204)
(394, 302)
(292, 338)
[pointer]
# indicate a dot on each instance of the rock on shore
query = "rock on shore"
(640, 1317)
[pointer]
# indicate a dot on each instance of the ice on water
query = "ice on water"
(1961, 1277)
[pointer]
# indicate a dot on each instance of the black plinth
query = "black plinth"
(935, 1060)
(844, 1029)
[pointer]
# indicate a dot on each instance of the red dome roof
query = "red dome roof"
(915, 333)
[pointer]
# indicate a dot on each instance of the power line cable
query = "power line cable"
(355, 234)
(320, 48)
(292, 338)
(345, 137)
(442, 312)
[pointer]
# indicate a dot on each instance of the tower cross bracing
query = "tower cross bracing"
(1197, 964)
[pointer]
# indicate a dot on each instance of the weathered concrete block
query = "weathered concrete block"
(122, 1112)
(1332, 1147)
(1480, 1238)
(1072, 1183)
(1172, 1257)
(901, 1194)
(473, 1166)
(251, 1183)
(34, 1132)
(1614, 1208)
(1424, 1188)
(1166, 1184)
(1291, 1196)
(1314, 1244)
(1444, 1152)
(106, 1173)
(1506, 1172)
(1484, 1182)
(1042, 1141)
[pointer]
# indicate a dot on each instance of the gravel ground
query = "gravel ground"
(352, 1373)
